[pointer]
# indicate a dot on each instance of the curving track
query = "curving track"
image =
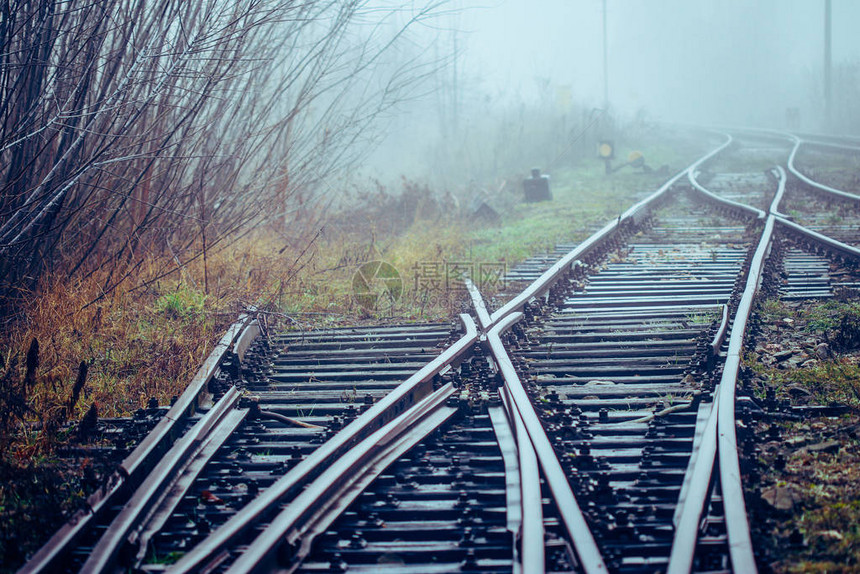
(587, 425)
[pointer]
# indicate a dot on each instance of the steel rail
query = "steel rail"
(532, 546)
(156, 487)
(324, 499)
(720, 335)
(814, 184)
(696, 488)
(485, 321)
(170, 500)
(521, 416)
(132, 471)
(811, 139)
(722, 201)
(531, 550)
(842, 249)
(580, 534)
(720, 438)
(835, 139)
(780, 193)
(815, 141)
(377, 416)
(513, 484)
(720, 434)
(632, 215)
(737, 525)
(738, 206)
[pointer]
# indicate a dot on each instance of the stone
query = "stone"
(829, 446)
(798, 391)
(781, 497)
(823, 351)
(832, 534)
(783, 355)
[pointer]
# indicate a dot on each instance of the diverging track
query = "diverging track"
(587, 425)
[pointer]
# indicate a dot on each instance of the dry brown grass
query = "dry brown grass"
(145, 338)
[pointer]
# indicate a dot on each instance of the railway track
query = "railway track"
(587, 424)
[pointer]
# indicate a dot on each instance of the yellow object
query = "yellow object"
(605, 150)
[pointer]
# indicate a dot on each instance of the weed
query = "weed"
(833, 219)
(302, 413)
(773, 309)
(183, 303)
(700, 319)
(838, 321)
(166, 559)
(349, 396)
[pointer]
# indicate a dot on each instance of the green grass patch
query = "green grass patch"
(830, 382)
(183, 303)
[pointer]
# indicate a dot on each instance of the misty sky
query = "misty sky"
(718, 60)
(707, 62)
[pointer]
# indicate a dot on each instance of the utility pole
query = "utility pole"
(455, 91)
(606, 62)
(828, 88)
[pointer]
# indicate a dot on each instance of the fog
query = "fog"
(707, 62)
(701, 60)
